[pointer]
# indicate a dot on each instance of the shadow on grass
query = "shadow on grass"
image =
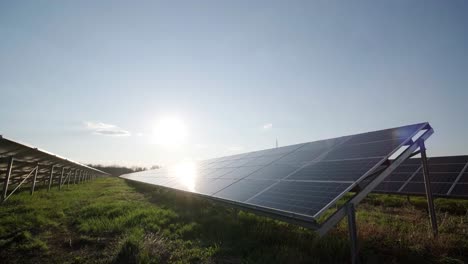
(244, 237)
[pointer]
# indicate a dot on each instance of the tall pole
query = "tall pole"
(427, 183)
(352, 233)
(68, 177)
(61, 178)
(51, 177)
(7, 178)
(34, 179)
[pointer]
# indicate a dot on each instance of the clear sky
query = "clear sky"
(111, 81)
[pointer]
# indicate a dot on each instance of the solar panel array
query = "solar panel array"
(448, 176)
(300, 180)
(51, 169)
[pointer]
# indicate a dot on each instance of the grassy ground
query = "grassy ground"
(112, 221)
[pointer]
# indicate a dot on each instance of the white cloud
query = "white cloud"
(100, 128)
(268, 126)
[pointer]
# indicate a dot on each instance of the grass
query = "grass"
(113, 221)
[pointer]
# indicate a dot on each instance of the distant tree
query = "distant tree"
(116, 170)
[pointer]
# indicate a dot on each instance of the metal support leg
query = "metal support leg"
(74, 176)
(352, 233)
(34, 179)
(68, 177)
(7, 179)
(61, 178)
(427, 183)
(51, 177)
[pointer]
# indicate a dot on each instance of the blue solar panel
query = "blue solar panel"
(303, 179)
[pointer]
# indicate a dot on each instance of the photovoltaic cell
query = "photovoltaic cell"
(300, 157)
(448, 177)
(219, 172)
(419, 188)
(344, 170)
(241, 172)
(389, 185)
(306, 198)
(211, 186)
(243, 190)
(240, 162)
(274, 171)
(264, 160)
(460, 190)
(464, 178)
(364, 150)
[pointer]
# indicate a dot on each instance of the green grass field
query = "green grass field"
(112, 221)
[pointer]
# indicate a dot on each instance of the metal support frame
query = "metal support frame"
(20, 183)
(61, 178)
(51, 177)
(427, 184)
(67, 177)
(34, 180)
(74, 176)
(7, 178)
(352, 233)
(24, 164)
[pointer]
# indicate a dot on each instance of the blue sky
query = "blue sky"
(237, 74)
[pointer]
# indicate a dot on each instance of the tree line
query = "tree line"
(116, 170)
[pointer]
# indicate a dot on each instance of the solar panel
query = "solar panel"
(448, 176)
(300, 180)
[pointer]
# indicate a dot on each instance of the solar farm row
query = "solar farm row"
(448, 175)
(22, 164)
(301, 180)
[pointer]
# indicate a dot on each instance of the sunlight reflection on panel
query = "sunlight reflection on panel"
(186, 173)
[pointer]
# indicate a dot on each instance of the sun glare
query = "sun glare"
(170, 132)
(186, 173)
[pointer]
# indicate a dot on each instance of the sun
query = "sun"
(170, 131)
